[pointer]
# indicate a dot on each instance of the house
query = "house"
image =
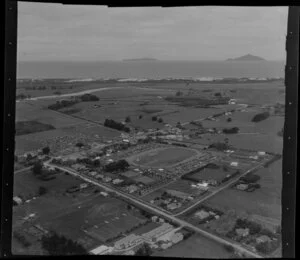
(93, 173)
(17, 200)
(242, 186)
(202, 214)
(261, 153)
(132, 188)
(107, 179)
(154, 218)
(105, 194)
(117, 181)
(83, 185)
(235, 164)
(172, 206)
(263, 239)
(243, 232)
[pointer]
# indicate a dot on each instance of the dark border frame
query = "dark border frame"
(290, 125)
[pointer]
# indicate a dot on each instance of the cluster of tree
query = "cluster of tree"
(62, 104)
(276, 157)
(57, 93)
(230, 176)
(128, 119)
(179, 93)
(250, 178)
(56, 244)
(88, 97)
(254, 228)
(116, 125)
(121, 165)
(144, 250)
(229, 119)
(22, 96)
(140, 116)
(261, 116)
(232, 130)
(41, 173)
(46, 150)
(88, 161)
(21, 238)
(219, 146)
(218, 94)
(229, 248)
(280, 133)
(154, 118)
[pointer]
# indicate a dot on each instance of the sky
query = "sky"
(56, 32)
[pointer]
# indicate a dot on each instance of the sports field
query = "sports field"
(163, 157)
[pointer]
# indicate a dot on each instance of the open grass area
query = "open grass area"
(195, 247)
(163, 157)
(27, 185)
(28, 127)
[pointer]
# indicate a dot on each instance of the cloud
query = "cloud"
(55, 31)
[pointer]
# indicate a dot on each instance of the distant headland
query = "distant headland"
(247, 57)
(141, 59)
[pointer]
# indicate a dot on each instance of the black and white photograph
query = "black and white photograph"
(149, 131)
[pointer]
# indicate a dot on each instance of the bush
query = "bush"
(56, 244)
(232, 130)
(140, 116)
(116, 125)
(260, 117)
(154, 118)
(160, 120)
(229, 248)
(229, 119)
(46, 150)
(37, 168)
(121, 165)
(42, 190)
(88, 97)
(127, 119)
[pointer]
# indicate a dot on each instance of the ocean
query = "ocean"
(150, 69)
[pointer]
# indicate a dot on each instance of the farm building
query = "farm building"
(157, 232)
(128, 241)
(176, 237)
(261, 153)
(101, 250)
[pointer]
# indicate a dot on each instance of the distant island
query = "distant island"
(141, 59)
(247, 57)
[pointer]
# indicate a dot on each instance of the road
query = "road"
(22, 170)
(220, 189)
(162, 213)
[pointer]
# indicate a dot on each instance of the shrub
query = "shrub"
(46, 150)
(37, 168)
(260, 117)
(42, 190)
(232, 130)
(160, 120)
(154, 118)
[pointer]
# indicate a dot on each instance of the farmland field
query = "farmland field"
(265, 201)
(163, 157)
(196, 247)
